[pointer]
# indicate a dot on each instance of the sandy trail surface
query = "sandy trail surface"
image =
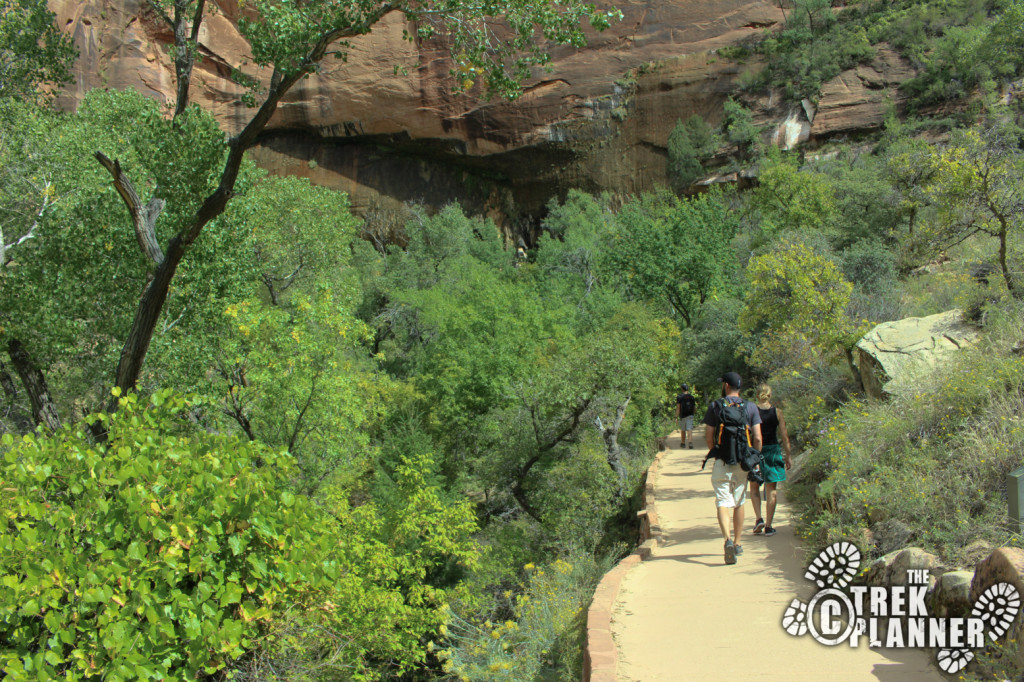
(685, 615)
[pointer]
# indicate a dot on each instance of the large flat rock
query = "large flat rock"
(891, 354)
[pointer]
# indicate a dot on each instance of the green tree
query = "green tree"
(976, 190)
(864, 205)
(689, 144)
(608, 378)
(738, 128)
(288, 364)
(909, 171)
(788, 198)
(673, 252)
(796, 307)
(33, 51)
(572, 254)
(1004, 42)
(62, 306)
(283, 353)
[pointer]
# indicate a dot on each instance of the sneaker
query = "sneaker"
(730, 552)
(691, 446)
(768, 531)
(759, 526)
(739, 549)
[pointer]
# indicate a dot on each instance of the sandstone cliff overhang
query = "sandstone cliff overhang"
(893, 353)
(600, 120)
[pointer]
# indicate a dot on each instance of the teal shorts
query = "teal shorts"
(774, 464)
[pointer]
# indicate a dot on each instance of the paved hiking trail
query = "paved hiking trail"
(685, 615)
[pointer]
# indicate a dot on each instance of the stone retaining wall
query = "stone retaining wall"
(599, 655)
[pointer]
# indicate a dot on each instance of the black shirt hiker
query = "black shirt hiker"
(685, 407)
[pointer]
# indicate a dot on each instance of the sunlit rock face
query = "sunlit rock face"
(599, 120)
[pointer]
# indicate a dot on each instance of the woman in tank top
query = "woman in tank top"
(773, 427)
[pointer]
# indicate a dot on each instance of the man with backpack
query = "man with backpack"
(685, 407)
(733, 428)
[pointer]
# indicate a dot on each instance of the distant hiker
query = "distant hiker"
(732, 424)
(775, 465)
(685, 407)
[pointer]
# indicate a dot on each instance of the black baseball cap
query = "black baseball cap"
(731, 378)
(685, 387)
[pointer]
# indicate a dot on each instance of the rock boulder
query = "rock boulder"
(1004, 565)
(890, 354)
(951, 597)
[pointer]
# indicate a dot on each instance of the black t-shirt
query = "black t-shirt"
(686, 404)
(769, 425)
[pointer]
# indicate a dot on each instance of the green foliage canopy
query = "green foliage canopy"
(796, 304)
(689, 144)
(156, 554)
(33, 51)
(788, 198)
(975, 186)
(674, 252)
(167, 552)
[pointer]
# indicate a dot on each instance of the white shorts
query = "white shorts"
(686, 423)
(730, 484)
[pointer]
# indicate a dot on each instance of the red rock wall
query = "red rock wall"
(390, 138)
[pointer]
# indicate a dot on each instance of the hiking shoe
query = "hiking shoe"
(730, 552)
(759, 526)
(739, 549)
(768, 531)
(691, 446)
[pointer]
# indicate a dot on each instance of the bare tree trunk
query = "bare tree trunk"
(185, 58)
(44, 410)
(1011, 283)
(520, 495)
(23, 423)
(853, 369)
(7, 383)
(611, 440)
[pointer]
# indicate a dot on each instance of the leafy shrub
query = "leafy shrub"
(812, 49)
(808, 394)
(544, 635)
(871, 265)
(960, 44)
(155, 554)
(170, 554)
(938, 292)
(953, 69)
(399, 561)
